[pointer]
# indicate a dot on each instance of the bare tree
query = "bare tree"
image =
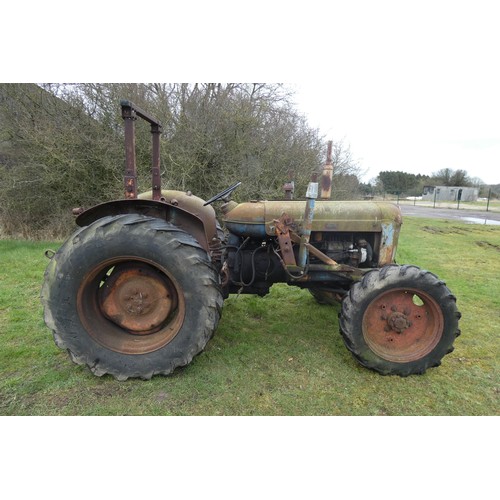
(67, 140)
(449, 177)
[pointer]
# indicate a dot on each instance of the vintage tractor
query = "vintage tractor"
(138, 289)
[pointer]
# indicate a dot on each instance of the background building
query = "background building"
(450, 193)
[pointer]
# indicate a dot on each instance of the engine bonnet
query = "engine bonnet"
(257, 218)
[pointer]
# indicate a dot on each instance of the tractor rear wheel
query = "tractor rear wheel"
(131, 296)
(399, 320)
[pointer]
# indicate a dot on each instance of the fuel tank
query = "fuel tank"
(256, 218)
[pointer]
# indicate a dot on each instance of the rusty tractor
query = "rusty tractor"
(138, 289)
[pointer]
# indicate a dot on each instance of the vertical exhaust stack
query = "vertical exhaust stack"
(326, 176)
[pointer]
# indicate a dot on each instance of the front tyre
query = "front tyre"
(131, 296)
(399, 320)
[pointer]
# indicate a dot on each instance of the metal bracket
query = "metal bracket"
(130, 112)
(282, 228)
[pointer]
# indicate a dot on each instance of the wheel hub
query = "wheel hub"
(402, 325)
(398, 322)
(130, 305)
(136, 298)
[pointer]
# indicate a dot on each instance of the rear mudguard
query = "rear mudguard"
(196, 220)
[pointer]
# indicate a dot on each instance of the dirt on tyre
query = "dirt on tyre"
(131, 296)
(399, 320)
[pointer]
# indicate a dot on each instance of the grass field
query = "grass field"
(277, 355)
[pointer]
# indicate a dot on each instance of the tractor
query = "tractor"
(138, 289)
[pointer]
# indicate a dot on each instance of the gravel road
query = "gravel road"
(463, 215)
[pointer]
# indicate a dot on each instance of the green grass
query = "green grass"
(277, 355)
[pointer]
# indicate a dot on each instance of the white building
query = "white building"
(450, 193)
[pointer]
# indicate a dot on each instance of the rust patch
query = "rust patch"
(326, 183)
(403, 325)
(122, 318)
(282, 228)
(137, 299)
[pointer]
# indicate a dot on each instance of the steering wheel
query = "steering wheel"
(222, 194)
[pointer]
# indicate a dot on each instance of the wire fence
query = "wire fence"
(449, 199)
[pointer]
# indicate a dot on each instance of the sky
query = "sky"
(415, 93)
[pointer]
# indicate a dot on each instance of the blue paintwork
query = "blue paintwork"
(387, 245)
(306, 231)
(256, 230)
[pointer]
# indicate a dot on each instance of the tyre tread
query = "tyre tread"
(171, 239)
(376, 279)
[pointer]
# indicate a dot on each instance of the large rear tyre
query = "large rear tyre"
(399, 320)
(131, 296)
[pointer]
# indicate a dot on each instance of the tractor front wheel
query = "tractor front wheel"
(399, 320)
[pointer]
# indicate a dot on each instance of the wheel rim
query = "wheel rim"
(131, 305)
(403, 325)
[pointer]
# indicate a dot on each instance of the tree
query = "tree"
(345, 182)
(65, 141)
(449, 177)
(460, 178)
(398, 182)
(213, 133)
(54, 157)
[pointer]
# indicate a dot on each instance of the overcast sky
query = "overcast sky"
(412, 89)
